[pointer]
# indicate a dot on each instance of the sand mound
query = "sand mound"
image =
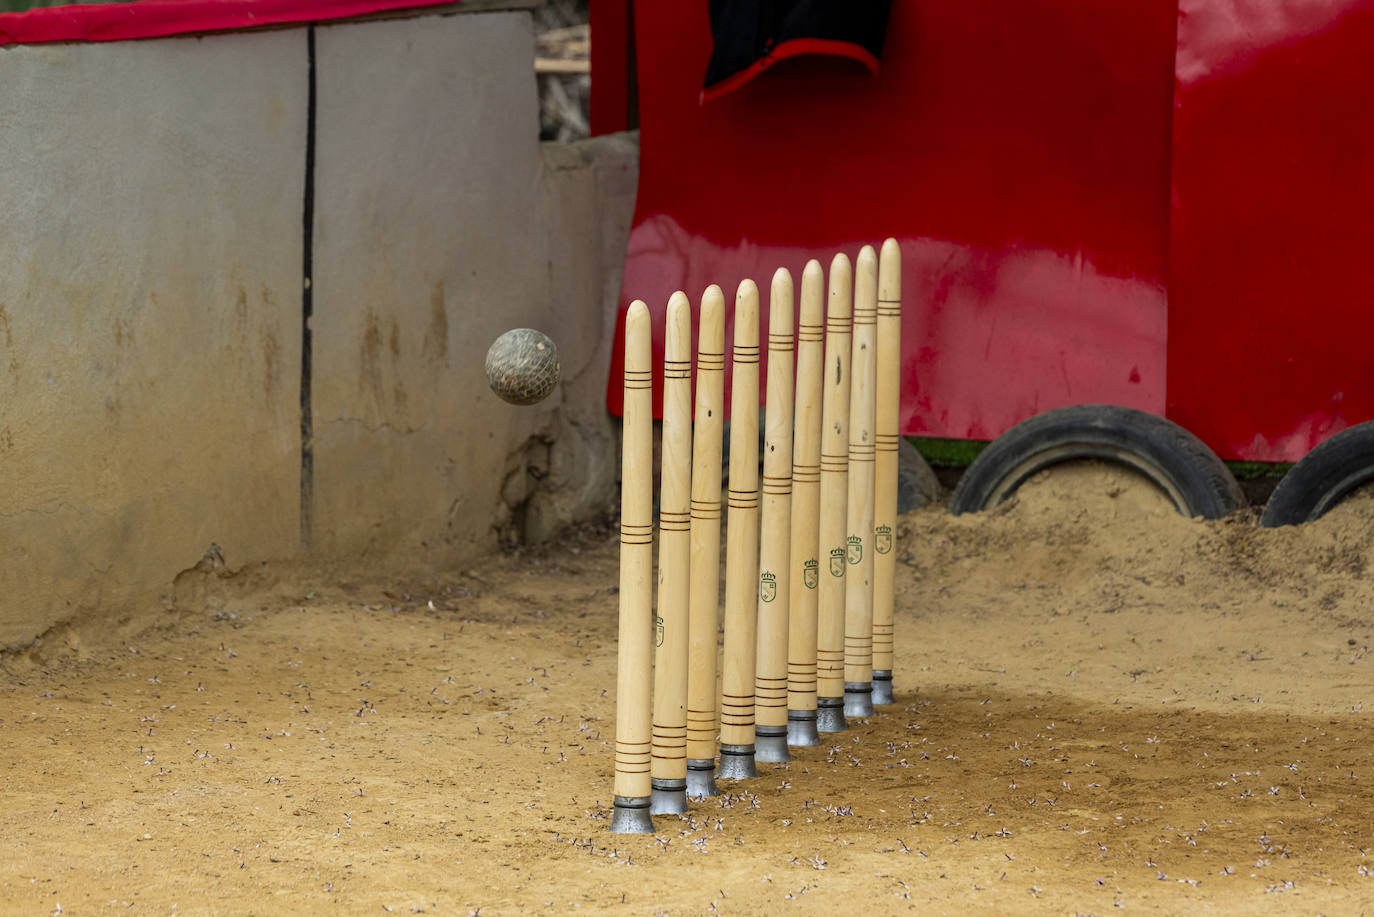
(1100, 705)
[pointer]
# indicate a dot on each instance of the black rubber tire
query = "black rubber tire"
(917, 485)
(1174, 460)
(1323, 478)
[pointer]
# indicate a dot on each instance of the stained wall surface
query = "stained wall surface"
(423, 256)
(151, 360)
(149, 316)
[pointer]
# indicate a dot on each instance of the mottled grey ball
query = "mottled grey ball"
(522, 366)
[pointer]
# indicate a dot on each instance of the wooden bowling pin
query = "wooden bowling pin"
(741, 546)
(704, 587)
(833, 496)
(633, 713)
(669, 769)
(889, 374)
(806, 504)
(775, 540)
(858, 587)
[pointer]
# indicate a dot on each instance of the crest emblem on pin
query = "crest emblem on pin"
(837, 562)
(768, 587)
(882, 539)
(658, 627)
(856, 549)
(810, 573)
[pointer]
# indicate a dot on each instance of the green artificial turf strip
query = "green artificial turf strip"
(960, 453)
(948, 453)
(1250, 471)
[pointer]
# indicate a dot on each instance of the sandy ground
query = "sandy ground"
(1101, 707)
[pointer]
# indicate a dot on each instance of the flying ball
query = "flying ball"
(522, 366)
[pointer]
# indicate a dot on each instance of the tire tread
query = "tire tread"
(1112, 433)
(1322, 478)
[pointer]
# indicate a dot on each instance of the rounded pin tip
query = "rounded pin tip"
(890, 273)
(780, 303)
(679, 309)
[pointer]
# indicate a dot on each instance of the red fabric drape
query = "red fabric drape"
(159, 18)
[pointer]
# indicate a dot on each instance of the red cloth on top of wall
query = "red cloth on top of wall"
(161, 18)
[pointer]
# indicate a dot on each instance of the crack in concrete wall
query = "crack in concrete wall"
(144, 375)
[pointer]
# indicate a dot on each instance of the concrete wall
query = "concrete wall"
(151, 308)
(149, 316)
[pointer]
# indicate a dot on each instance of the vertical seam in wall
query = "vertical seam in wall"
(308, 306)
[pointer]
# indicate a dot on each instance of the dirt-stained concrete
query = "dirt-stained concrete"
(159, 394)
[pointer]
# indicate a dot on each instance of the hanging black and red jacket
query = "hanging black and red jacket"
(752, 35)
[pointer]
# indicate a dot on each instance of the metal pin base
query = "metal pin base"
(668, 797)
(736, 763)
(701, 777)
(830, 714)
(858, 698)
(801, 729)
(631, 816)
(770, 744)
(882, 688)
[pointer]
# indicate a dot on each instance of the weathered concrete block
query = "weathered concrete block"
(150, 312)
(426, 249)
(149, 316)
(438, 228)
(592, 183)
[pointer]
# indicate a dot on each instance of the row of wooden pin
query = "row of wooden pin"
(810, 558)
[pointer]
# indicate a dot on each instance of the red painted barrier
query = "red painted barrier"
(1126, 203)
(1271, 291)
(1026, 178)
